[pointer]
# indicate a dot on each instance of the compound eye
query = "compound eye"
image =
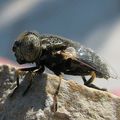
(31, 46)
(16, 44)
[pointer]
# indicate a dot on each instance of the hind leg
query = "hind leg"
(89, 82)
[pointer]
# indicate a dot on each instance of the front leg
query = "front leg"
(18, 71)
(21, 70)
(40, 70)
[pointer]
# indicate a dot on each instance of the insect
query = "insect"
(60, 55)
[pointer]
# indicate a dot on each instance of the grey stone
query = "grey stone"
(75, 101)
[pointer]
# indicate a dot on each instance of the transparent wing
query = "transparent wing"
(90, 58)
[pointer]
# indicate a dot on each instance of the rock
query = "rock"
(75, 101)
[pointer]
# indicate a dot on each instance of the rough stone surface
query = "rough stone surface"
(75, 102)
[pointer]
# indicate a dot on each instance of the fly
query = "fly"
(60, 55)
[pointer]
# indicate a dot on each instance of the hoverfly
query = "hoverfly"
(60, 55)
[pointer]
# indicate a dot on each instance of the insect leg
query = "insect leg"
(84, 79)
(40, 70)
(89, 82)
(28, 69)
(17, 77)
(93, 76)
(54, 106)
(94, 86)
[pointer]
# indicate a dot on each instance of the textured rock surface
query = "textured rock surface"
(75, 102)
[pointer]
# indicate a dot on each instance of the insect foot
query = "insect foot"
(74, 101)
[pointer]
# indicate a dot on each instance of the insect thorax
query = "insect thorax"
(54, 42)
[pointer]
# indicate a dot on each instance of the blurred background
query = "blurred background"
(94, 23)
